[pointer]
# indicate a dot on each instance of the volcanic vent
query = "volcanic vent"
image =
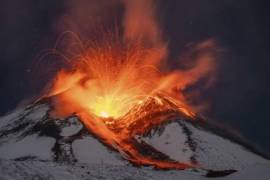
(30, 138)
(120, 87)
(120, 84)
(118, 103)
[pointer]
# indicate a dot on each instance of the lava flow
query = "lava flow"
(120, 86)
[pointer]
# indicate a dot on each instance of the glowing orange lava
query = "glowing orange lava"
(120, 86)
(118, 92)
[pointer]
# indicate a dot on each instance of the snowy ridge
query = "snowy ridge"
(32, 134)
(182, 141)
(33, 145)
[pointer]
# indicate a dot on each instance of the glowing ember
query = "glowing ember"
(120, 86)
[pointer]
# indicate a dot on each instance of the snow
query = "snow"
(90, 150)
(24, 170)
(73, 127)
(37, 113)
(30, 146)
(171, 142)
(96, 161)
(10, 117)
(13, 170)
(19, 116)
(257, 171)
(210, 150)
(16, 144)
(215, 152)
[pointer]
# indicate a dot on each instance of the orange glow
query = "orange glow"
(117, 94)
(120, 86)
(108, 88)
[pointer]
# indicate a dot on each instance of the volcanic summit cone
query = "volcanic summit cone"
(29, 137)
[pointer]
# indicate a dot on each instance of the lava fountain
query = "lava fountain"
(120, 86)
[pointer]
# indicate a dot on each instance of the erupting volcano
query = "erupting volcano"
(119, 101)
(121, 86)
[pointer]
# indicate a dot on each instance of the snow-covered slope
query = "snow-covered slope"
(32, 134)
(185, 142)
(32, 144)
(25, 170)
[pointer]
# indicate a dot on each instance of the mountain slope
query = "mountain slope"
(32, 134)
(34, 144)
(183, 141)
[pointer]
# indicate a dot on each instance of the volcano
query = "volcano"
(34, 144)
(118, 107)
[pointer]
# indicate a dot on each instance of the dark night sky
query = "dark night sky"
(240, 98)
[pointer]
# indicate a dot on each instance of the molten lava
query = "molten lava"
(120, 86)
(109, 81)
(118, 93)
